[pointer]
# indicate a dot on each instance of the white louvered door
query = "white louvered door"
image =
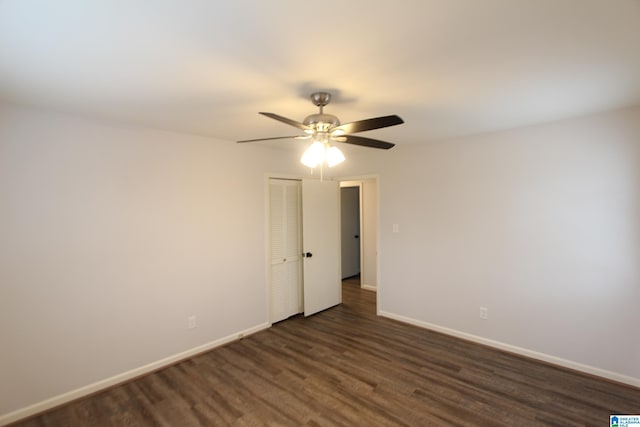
(286, 265)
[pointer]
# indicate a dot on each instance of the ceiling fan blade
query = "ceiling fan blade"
(368, 124)
(277, 137)
(287, 121)
(367, 142)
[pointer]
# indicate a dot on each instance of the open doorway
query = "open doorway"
(359, 232)
(350, 231)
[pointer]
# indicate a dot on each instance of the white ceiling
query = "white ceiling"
(448, 67)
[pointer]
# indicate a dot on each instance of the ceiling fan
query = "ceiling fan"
(323, 128)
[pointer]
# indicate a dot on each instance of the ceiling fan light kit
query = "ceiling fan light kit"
(323, 129)
(318, 152)
(314, 155)
(334, 156)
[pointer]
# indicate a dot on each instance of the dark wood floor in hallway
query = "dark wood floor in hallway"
(348, 367)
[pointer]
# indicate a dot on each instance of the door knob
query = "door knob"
(308, 255)
(356, 236)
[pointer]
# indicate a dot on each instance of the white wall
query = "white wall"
(111, 237)
(540, 225)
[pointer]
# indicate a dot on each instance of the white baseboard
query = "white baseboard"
(614, 376)
(369, 288)
(123, 377)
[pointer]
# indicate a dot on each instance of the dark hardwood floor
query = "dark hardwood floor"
(346, 366)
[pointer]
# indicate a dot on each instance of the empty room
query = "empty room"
(175, 245)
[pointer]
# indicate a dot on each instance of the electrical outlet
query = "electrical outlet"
(484, 313)
(191, 322)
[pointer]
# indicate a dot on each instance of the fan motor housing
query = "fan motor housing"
(321, 120)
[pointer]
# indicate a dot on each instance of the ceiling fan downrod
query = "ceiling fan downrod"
(321, 122)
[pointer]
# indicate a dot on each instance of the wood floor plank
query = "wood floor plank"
(344, 367)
